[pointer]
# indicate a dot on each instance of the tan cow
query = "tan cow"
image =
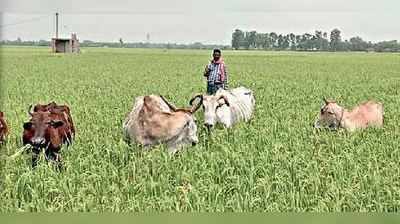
(153, 120)
(365, 115)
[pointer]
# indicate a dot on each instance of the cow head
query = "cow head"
(42, 130)
(211, 105)
(189, 135)
(330, 115)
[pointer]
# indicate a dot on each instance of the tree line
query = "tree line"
(249, 40)
(317, 41)
(120, 44)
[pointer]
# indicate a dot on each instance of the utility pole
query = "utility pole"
(56, 24)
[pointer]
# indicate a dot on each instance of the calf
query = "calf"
(58, 109)
(153, 120)
(333, 116)
(3, 128)
(47, 130)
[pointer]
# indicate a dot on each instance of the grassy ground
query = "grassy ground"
(275, 163)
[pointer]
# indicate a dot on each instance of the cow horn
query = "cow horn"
(225, 99)
(52, 104)
(30, 110)
(198, 95)
(171, 106)
(325, 100)
(197, 106)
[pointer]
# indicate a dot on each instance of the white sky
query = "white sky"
(187, 21)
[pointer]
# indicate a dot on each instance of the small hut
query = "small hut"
(65, 45)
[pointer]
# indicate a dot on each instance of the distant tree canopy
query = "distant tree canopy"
(317, 41)
(307, 42)
(119, 44)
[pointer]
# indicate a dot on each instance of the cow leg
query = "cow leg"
(226, 121)
(35, 157)
(55, 158)
(59, 162)
(173, 149)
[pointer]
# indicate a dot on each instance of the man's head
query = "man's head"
(330, 115)
(216, 54)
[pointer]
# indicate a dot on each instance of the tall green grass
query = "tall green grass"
(277, 162)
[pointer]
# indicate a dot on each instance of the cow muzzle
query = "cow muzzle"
(317, 124)
(208, 126)
(38, 142)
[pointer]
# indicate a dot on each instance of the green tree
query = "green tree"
(260, 38)
(318, 39)
(293, 43)
(305, 42)
(280, 41)
(358, 44)
(251, 39)
(336, 40)
(237, 39)
(273, 39)
(286, 41)
(266, 41)
(298, 41)
(387, 46)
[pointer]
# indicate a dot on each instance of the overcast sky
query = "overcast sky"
(188, 21)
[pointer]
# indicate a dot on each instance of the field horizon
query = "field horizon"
(276, 162)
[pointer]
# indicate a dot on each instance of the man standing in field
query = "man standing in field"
(216, 73)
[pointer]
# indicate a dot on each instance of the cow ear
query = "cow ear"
(57, 123)
(1, 114)
(28, 125)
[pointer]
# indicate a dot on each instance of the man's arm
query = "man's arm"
(206, 71)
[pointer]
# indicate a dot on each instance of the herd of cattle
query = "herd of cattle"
(153, 120)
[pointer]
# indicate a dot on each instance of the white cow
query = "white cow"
(154, 121)
(227, 106)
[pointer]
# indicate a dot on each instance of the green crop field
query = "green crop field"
(277, 162)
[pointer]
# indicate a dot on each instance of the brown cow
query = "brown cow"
(47, 130)
(365, 115)
(3, 128)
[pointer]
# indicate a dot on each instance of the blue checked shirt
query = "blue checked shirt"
(214, 76)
